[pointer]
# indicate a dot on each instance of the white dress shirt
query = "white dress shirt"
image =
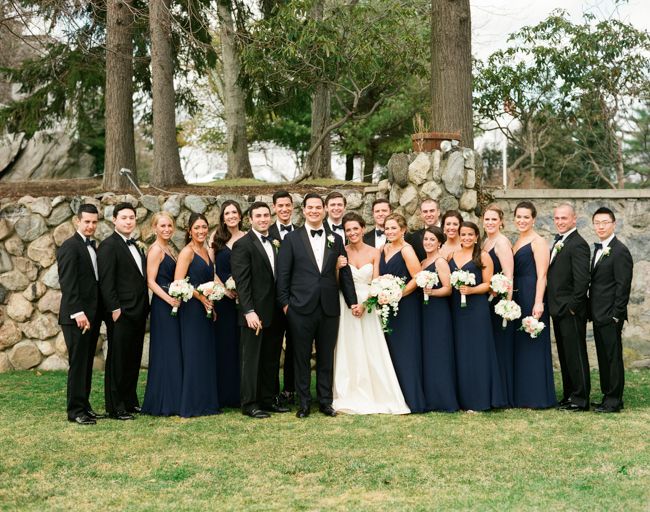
(317, 245)
(135, 252)
(379, 240)
(283, 233)
(605, 243)
(561, 240)
(268, 248)
(93, 258)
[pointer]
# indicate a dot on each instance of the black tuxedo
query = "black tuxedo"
(259, 354)
(609, 293)
(415, 238)
(330, 231)
(313, 314)
(369, 237)
(287, 369)
(567, 285)
(123, 287)
(79, 293)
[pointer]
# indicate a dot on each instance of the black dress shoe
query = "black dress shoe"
(303, 412)
(95, 415)
(327, 410)
(257, 413)
(286, 397)
(274, 408)
(121, 415)
(135, 410)
(564, 401)
(83, 419)
(607, 409)
(571, 407)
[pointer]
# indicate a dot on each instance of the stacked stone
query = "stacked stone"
(448, 175)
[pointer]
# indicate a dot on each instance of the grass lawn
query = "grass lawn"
(515, 459)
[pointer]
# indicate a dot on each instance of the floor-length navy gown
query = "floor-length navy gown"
(162, 396)
(228, 371)
(504, 340)
(477, 370)
(533, 367)
(199, 396)
(438, 359)
(405, 341)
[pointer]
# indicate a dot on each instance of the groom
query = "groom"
(308, 293)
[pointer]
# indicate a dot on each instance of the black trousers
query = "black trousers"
(260, 365)
(305, 329)
(125, 341)
(288, 382)
(81, 352)
(571, 337)
(609, 348)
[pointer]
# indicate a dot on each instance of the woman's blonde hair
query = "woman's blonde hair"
(159, 215)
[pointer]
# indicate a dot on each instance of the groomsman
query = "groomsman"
(609, 293)
(567, 285)
(254, 263)
(123, 285)
(80, 315)
(430, 215)
(381, 209)
(283, 209)
(308, 292)
(335, 204)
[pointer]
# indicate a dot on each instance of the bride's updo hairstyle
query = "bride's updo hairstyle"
(353, 217)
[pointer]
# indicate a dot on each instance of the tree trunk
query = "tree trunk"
(368, 163)
(349, 167)
(451, 69)
(120, 143)
(166, 160)
(319, 163)
(239, 165)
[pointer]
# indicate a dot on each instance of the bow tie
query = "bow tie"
(315, 232)
(90, 243)
(130, 241)
(337, 226)
(379, 232)
(558, 237)
(267, 239)
(286, 228)
(598, 246)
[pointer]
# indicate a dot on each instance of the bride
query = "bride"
(364, 377)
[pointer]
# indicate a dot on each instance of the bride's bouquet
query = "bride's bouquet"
(384, 295)
(509, 310)
(426, 279)
(180, 289)
(462, 278)
(530, 325)
(501, 285)
(212, 291)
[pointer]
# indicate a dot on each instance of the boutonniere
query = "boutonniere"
(330, 240)
(559, 246)
(140, 245)
(606, 252)
(276, 244)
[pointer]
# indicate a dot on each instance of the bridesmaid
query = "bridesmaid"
(450, 223)
(199, 396)
(404, 343)
(479, 382)
(533, 368)
(162, 396)
(228, 374)
(497, 245)
(438, 361)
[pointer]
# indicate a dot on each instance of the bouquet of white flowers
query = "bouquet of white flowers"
(180, 289)
(509, 310)
(426, 279)
(384, 295)
(231, 287)
(501, 285)
(212, 291)
(532, 326)
(462, 278)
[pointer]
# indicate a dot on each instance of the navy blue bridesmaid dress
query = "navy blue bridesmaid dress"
(162, 396)
(438, 359)
(228, 371)
(477, 370)
(199, 395)
(405, 341)
(504, 340)
(533, 366)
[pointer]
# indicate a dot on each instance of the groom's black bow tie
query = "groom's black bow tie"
(267, 239)
(598, 246)
(286, 228)
(315, 232)
(379, 232)
(337, 226)
(558, 237)
(91, 243)
(130, 241)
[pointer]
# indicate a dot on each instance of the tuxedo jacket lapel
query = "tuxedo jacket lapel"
(327, 251)
(304, 236)
(258, 245)
(84, 251)
(125, 249)
(611, 245)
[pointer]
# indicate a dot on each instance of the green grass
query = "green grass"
(515, 459)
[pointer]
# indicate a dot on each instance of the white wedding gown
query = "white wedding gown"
(364, 377)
